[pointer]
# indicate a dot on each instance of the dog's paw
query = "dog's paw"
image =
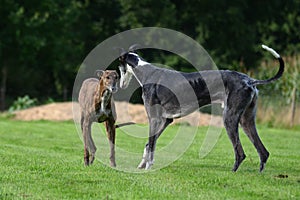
(113, 164)
(142, 164)
(148, 165)
(262, 166)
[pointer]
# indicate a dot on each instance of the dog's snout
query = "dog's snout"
(114, 89)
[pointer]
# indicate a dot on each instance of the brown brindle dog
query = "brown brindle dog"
(97, 105)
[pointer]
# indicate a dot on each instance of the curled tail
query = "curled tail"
(280, 71)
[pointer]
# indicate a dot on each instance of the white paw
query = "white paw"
(142, 164)
(148, 165)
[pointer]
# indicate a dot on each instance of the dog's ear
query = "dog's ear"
(122, 58)
(121, 50)
(116, 74)
(99, 73)
(134, 47)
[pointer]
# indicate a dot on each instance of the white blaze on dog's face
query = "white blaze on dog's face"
(125, 77)
(129, 61)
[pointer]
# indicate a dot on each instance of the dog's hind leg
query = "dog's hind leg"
(231, 125)
(235, 105)
(248, 124)
(86, 131)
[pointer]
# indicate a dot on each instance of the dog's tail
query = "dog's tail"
(280, 71)
(123, 124)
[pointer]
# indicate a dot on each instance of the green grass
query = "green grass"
(44, 160)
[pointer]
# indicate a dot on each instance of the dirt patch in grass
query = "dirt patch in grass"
(125, 112)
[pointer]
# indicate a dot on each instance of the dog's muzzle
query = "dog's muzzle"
(125, 77)
(114, 89)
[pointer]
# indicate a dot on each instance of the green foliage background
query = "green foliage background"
(43, 43)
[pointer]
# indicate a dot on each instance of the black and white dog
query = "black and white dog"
(169, 94)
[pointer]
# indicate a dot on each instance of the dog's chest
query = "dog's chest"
(103, 107)
(103, 112)
(103, 115)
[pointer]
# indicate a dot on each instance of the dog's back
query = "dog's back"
(86, 94)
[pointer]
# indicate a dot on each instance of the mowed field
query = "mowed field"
(44, 160)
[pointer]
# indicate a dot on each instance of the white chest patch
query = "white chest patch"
(130, 70)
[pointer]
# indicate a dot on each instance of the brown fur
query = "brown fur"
(93, 109)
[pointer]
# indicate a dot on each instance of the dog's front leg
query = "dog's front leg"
(150, 152)
(142, 164)
(148, 155)
(150, 161)
(157, 126)
(147, 160)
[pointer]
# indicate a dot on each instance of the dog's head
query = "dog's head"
(108, 79)
(128, 60)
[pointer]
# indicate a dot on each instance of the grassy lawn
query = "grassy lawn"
(44, 160)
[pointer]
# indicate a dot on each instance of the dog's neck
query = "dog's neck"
(142, 70)
(142, 73)
(102, 97)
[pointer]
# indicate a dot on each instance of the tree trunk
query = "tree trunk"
(293, 106)
(3, 88)
(65, 93)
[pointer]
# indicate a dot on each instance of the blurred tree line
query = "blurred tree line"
(43, 43)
